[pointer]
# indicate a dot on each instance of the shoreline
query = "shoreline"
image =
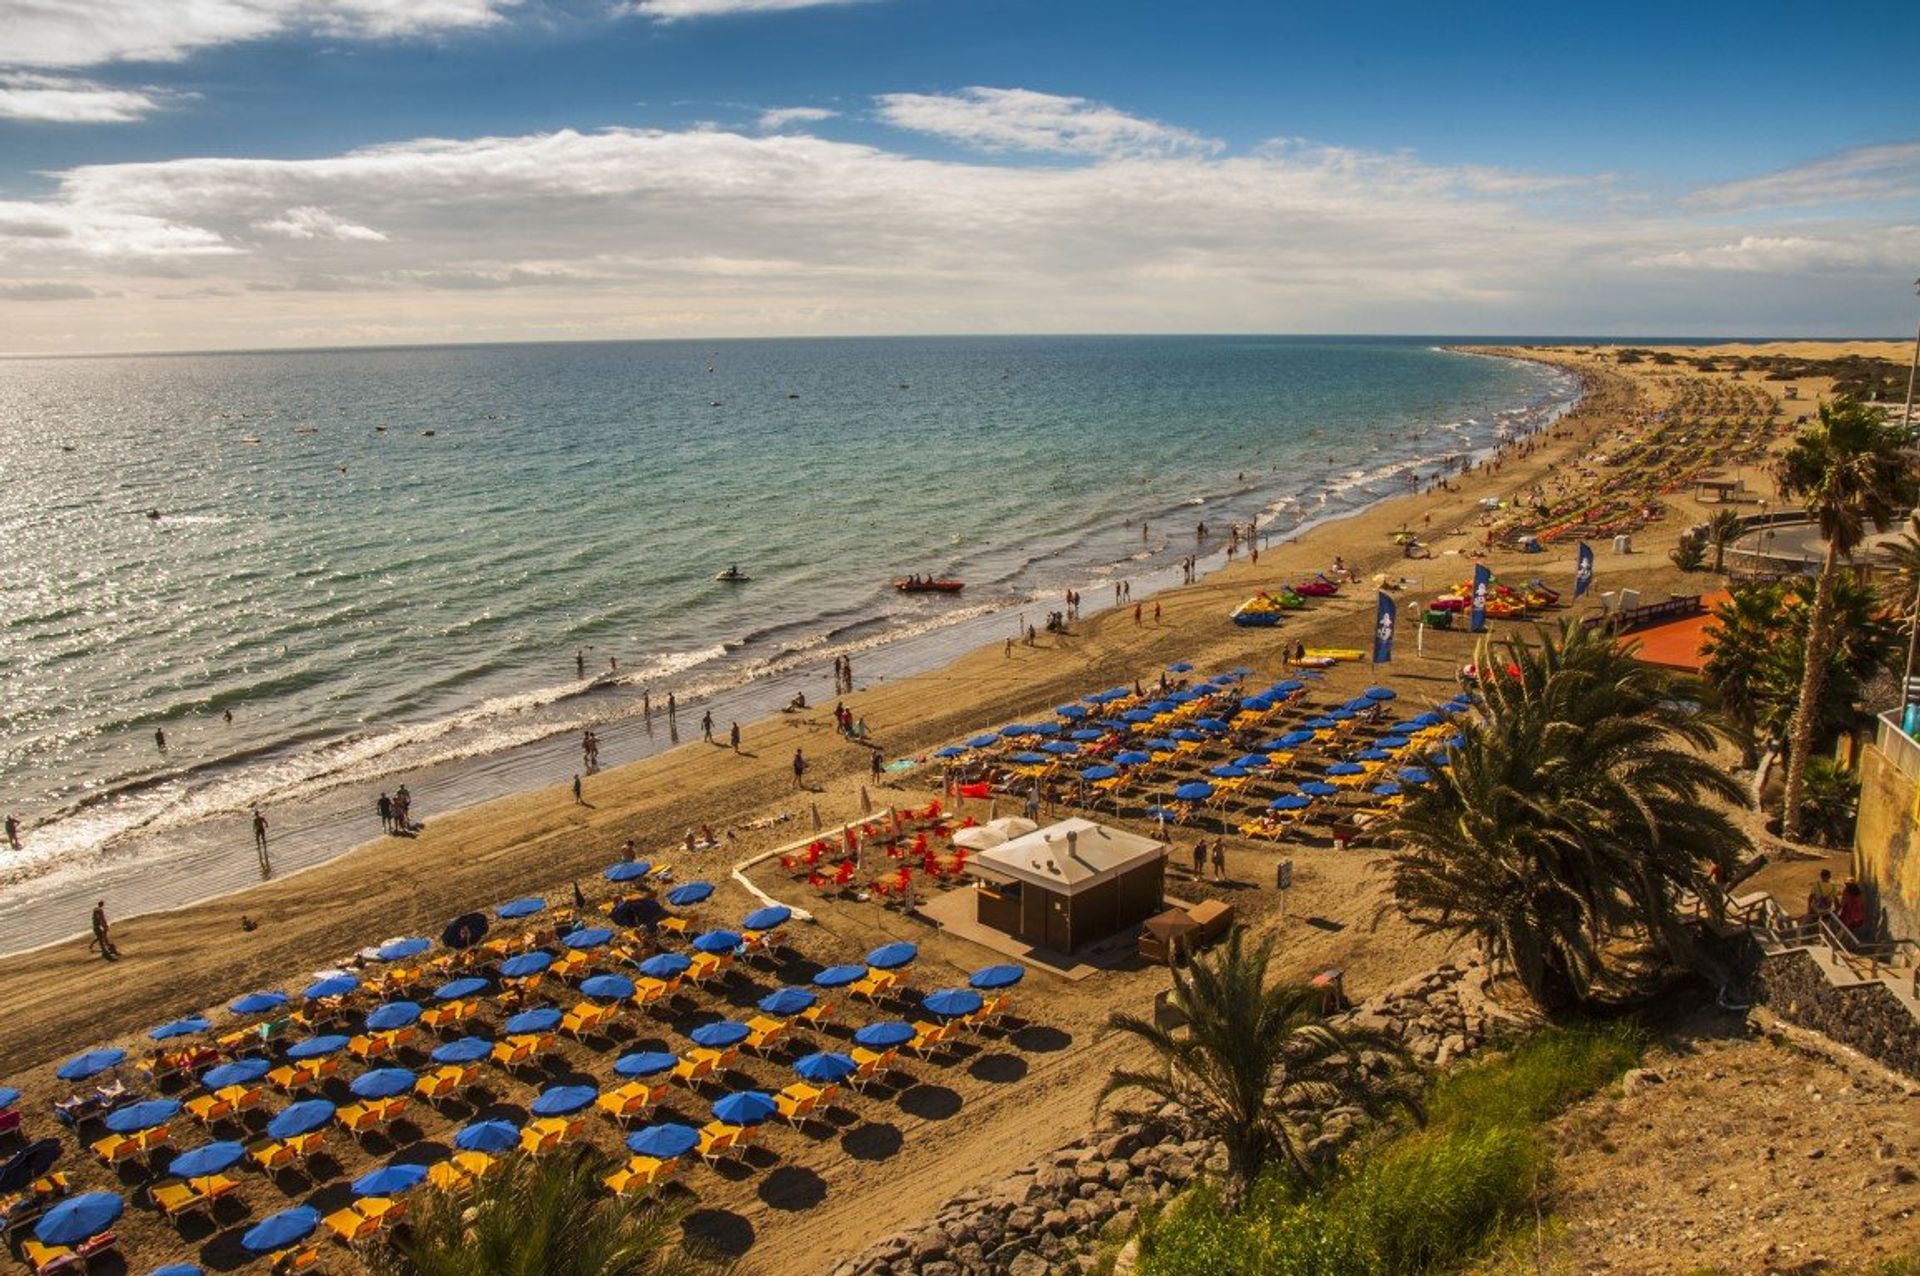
(209, 858)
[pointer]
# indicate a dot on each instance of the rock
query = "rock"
(1638, 1080)
(1023, 1218)
(1119, 1224)
(928, 1244)
(942, 1268)
(1053, 1221)
(1027, 1265)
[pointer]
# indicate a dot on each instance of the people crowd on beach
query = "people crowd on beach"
(843, 675)
(590, 750)
(396, 812)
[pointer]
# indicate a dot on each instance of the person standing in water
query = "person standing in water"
(259, 830)
(160, 738)
(580, 663)
(385, 807)
(13, 831)
(706, 726)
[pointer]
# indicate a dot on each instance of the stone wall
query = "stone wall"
(1051, 1214)
(1885, 857)
(1867, 1017)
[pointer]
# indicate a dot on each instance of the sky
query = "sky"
(225, 174)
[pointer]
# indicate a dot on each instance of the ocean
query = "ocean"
(385, 563)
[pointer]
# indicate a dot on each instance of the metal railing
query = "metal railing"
(1900, 748)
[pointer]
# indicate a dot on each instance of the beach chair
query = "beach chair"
(707, 966)
(350, 1227)
(874, 985)
(271, 1155)
(651, 992)
(630, 1100)
(543, 1136)
(696, 1066)
(48, 1259)
(818, 1015)
(242, 1098)
(304, 1146)
(445, 1176)
(640, 1174)
(177, 1199)
(451, 1015)
(929, 1039)
(799, 1101)
(358, 1118)
(295, 1259)
(718, 1141)
(764, 1034)
(869, 1066)
(118, 1149)
(366, 1048)
(207, 1108)
(569, 964)
(387, 1111)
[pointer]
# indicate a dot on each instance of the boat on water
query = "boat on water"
(733, 575)
(928, 585)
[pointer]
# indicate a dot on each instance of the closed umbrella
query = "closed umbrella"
(663, 1142)
(278, 1231)
(744, 1107)
(487, 1136)
(382, 1083)
(136, 1117)
(79, 1218)
(991, 977)
(300, 1118)
(645, 1063)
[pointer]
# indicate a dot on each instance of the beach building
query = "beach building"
(1070, 884)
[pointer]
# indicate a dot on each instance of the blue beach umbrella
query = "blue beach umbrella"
(1210, 724)
(1193, 791)
(1290, 802)
(525, 964)
(1162, 813)
(1342, 714)
(1392, 742)
(1415, 775)
(1389, 789)
(487, 1136)
(1161, 745)
(720, 1035)
(1251, 761)
(587, 937)
(893, 955)
(663, 1142)
(390, 1180)
(825, 1066)
(839, 976)
(1428, 719)
(1086, 735)
(1380, 693)
(1187, 735)
(744, 1107)
(983, 742)
(884, 1035)
(691, 893)
(300, 1118)
(1060, 748)
(951, 751)
(665, 965)
(239, 1072)
(177, 1269)
(1372, 755)
(1318, 724)
(1102, 772)
(188, 1027)
(787, 1001)
(1015, 731)
(92, 1063)
(1287, 687)
(8, 1097)
(317, 1047)
(515, 909)
(1317, 788)
(992, 977)
(1136, 716)
(401, 949)
(331, 986)
(530, 1022)
(382, 1083)
(1132, 757)
(1180, 666)
(716, 941)
(79, 1218)
(455, 989)
(1184, 697)
(949, 1002)
(1345, 768)
(1044, 728)
(645, 1063)
(463, 1050)
(562, 1100)
(1358, 705)
(394, 1014)
(1072, 712)
(1227, 771)
(278, 1231)
(628, 871)
(607, 987)
(1163, 706)
(767, 918)
(1030, 758)
(136, 1117)
(257, 1003)
(208, 1158)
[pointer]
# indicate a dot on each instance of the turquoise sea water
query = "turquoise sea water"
(385, 560)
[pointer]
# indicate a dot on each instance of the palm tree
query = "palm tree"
(1850, 470)
(548, 1217)
(1576, 809)
(1723, 529)
(1739, 649)
(1251, 1055)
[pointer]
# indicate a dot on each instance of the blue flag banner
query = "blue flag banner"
(1383, 618)
(1583, 569)
(1477, 620)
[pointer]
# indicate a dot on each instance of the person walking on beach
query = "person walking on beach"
(672, 707)
(402, 810)
(1156, 613)
(576, 790)
(13, 831)
(733, 736)
(1200, 859)
(706, 726)
(101, 938)
(259, 830)
(1220, 859)
(1136, 615)
(385, 807)
(878, 767)
(799, 769)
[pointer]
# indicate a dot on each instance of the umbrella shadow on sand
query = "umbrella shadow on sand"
(723, 1231)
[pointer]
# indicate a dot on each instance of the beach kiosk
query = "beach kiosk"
(1070, 884)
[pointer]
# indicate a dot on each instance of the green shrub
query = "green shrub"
(1542, 1076)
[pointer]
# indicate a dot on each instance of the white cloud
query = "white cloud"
(676, 10)
(1864, 173)
(308, 222)
(991, 119)
(781, 117)
(60, 99)
(76, 33)
(636, 232)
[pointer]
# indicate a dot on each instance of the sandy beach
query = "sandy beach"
(830, 1193)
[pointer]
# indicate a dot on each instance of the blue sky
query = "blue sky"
(227, 172)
